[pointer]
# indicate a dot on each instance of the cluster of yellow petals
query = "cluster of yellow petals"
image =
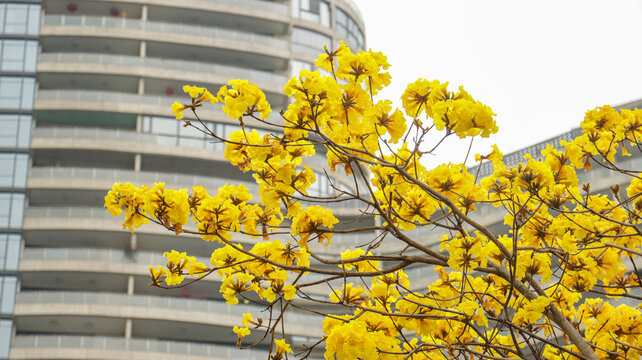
(455, 112)
(556, 233)
(238, 96)
(606, 130)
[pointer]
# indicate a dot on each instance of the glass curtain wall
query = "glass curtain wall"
(19, 25)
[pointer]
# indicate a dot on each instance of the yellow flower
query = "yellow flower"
(282, 347)
(241, 331)
(247, 319)
(311, 221)
(177, 109)
(193, 91)
(532, 311)
(289, 292)
(243, 98)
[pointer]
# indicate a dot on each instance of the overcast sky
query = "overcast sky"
(538, 64)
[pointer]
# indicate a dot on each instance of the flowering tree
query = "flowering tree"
(545, 289)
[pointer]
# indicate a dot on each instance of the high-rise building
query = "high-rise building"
(85, 90)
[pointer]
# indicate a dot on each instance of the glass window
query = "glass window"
(20, 19)
(13, 170)
(8, 293)
(18, 55)
(296, 67)
(5, 337)
(317, 11)
(164, 126)
(9, 251)
(347, 27)
(15, 132)
(33, 25)
(308, 41)
(12, 55)
(16, 92)
(11, 210)
(16, 19)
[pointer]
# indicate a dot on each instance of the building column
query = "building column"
(130, 285)
(142, 51)
(128, 329)
(132, 242)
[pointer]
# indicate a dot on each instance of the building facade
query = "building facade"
(85, 90)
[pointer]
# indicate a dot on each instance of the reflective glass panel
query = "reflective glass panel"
(5, 337)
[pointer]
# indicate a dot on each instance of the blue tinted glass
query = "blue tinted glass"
(13, 52)
(20, 171)
(16, 19)
(8, 294)
(31, 55)
(17, 211)
(7, 164)
(28, 88)
(12, 255)
(5, 206)
(33, 24)
(9, 126)
(5, 337)
(10, 89)
(3, 10)
(24, 131)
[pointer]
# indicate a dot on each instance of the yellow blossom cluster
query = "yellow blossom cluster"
(605, 131)
(535, 281)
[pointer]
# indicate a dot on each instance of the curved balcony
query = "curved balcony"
(48, 265)
(115, 102)
(111, 27)
(97, 255)
(98, 219)
(127, 141)
(101, 348)
(144, 307)
(350, 4)
(101, 179)
(181, 70)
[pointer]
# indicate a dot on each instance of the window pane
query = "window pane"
(28, 87)
(34, 20)
(5, 337)
(164, 126)
(3, 8)
(13, 252)
(16, 19)
(24, 131)
(324, 13)
(16, 92)
(31, 55)
(8, 294)
(9, 126)
(20, 171)
(17, 211)
(5, 206)
(12, 55)
(7, 162)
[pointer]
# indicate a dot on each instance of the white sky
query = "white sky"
(540, 65)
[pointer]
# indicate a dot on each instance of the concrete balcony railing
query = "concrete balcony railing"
(116, 102)
(100, 255)
(98, 347)
(100, 179)
(162, 27)
(109, 176)
(208, 312)
(73, 215)
(264, 5)
(181, 66)
(107, 96)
